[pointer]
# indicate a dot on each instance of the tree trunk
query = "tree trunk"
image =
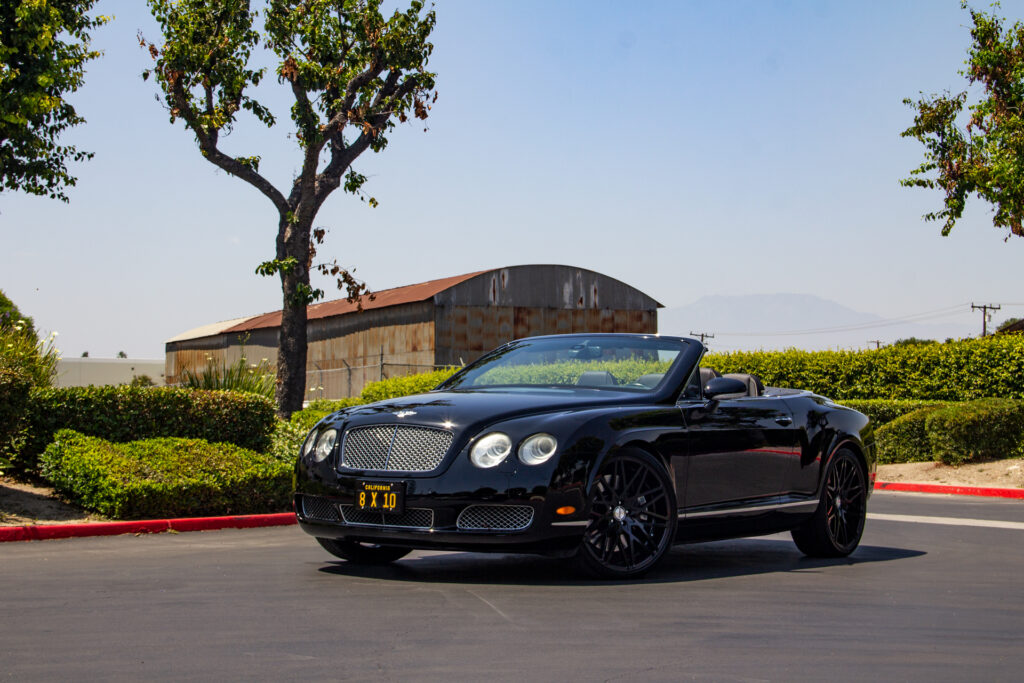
(293, 241)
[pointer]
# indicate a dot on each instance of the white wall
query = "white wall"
(80, 372)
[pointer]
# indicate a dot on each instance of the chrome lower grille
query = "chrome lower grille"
(413, 518)
(321, 509)
(395, 448)
(495, 518)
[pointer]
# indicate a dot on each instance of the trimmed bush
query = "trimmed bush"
(166, 477)
(126, 413)
(955, 371)
(327, 405)
(905, 439)
(14, 392)
(305, 419)
(405, 386)
(883, 411)
(979, 430)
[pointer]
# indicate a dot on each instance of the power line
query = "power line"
(915, 317)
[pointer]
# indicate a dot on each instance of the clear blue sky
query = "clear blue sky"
(687, 149)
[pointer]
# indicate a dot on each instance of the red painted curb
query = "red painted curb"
(988, 492)
(39, 532)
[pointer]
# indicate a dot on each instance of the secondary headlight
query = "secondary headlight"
(537, 449)
(490, 450)
(325, 444)
(307, 445)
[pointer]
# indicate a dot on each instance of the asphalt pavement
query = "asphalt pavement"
(933, 593)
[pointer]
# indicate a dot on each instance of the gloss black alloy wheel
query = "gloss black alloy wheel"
(362, 553)
(632, 517)
(837, 524)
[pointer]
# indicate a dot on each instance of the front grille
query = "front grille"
(495, 517)
(413, 518)
(395, 448)
(315, 507)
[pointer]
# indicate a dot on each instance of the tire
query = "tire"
(837, 524)
(362, 553)
(632, 510)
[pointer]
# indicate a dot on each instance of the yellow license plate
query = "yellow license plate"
(387, 497)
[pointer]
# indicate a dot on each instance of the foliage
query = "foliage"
(142, 381)
(328, 405)
(21, 351)
(980, 430)
(985, 157)
(165, 477)
(953, 371)
(242, 376)
(307, 417)
(624, 371)
(395, 387)
(351, 73)
(125, 413)
(883, 411)
(288, 437)
(1007, 323)
(14, 392)
(905, 439)
(11, 316)
(44, 45)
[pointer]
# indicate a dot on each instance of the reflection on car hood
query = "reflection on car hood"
(466, 409)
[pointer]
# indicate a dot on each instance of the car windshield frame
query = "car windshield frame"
(612, 362)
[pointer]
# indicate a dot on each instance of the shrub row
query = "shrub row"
(127, 413)
(954, 371)
(883, 411)
(165, 477)
(14, 393)
(955, 433)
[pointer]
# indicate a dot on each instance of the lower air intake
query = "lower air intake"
(320, 509)
(413, 518)
(495, 518)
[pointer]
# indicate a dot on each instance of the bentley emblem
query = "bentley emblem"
(405, 413)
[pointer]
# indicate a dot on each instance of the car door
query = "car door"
(740, 450)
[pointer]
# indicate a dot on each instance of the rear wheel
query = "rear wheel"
(632, 517)
(837, 524)
(362, 553)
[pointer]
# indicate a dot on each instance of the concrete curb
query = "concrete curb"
(39, 532)
(988, 492)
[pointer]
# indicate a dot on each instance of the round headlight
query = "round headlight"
(537, 449)
(307, 445)
(325, 444)
(490, 450)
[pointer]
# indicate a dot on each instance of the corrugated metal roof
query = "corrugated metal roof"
(209, 330)
(382, 299)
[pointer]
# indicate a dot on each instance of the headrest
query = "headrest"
(753, 382)
(597, 378)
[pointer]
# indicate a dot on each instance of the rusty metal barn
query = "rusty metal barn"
(419, 327)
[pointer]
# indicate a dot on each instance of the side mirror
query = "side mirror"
(720, 386)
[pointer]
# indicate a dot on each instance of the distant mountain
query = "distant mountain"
(757, 321)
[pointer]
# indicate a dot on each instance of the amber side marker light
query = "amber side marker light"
(567, 510)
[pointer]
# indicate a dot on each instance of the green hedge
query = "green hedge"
(980, 430)
(127, 413)
(14, 393)
(883, 411)
(954, 371)
(165, 477)
(955, 433)
(905, 439)
(396, 387)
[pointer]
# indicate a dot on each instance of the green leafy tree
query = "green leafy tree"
(44, 45)
(1006, 323)
(979, 151)
(11, 316)
(351, 73)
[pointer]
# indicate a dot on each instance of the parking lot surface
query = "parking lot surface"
(933, 593)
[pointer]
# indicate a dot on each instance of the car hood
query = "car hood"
(474, 409)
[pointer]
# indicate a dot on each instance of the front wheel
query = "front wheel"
(632, 517)
(837, 524)
(362, 553)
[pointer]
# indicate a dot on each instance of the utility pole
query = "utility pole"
(876, 342)
(702, 335)
(985, 315)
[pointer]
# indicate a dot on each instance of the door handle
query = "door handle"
(784, 421)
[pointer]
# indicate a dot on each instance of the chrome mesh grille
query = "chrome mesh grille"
(315, 507)
(395, 448)
(495, 517)
(413, 518)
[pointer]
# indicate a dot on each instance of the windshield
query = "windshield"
(630, 363)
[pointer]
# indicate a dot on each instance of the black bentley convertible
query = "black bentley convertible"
(605, 447)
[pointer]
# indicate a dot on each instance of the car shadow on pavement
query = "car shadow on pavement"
(686, 563)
